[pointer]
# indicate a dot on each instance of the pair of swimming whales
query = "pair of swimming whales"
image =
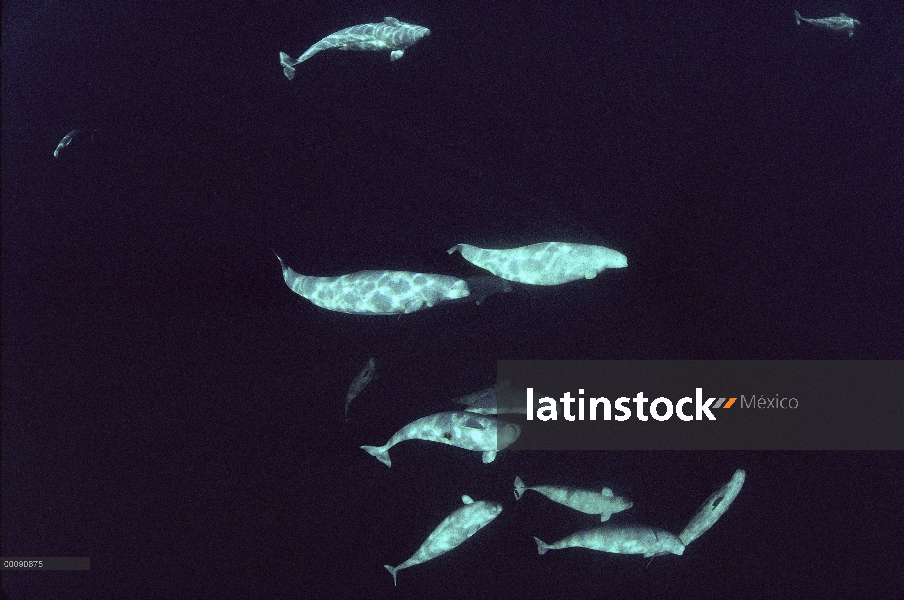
(396, 36)
(403, 292)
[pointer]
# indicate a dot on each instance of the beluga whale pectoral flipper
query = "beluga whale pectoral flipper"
(466, 430)
(455, 529)
(547, 263)
(376, 292)
(482, 286)
(840, 23)
(391, 34)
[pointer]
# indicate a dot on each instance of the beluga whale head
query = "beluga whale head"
(419, 32)
(507, 434)
(612, 259)
(404, 34)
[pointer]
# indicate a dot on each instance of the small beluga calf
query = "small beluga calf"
(714, 507)
(67, 139)
(367, 374)
(376, 292)
(840, 23)
(466, 430)
(391, 34)
(456, 528)
(586, 501)
(547, 263)
(620, 539)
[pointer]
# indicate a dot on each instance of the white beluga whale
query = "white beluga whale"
(376, 292)
(547, 263)
(620, 539)
(67, 139)
(487, 401)
(602, 503)
(456, 528)
(70, 137)
(462, 429)
(714, 507)
(482, 402)
(367, 374)
(840, 23)
(391, 34)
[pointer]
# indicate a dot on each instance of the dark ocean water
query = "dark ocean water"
(174, 412)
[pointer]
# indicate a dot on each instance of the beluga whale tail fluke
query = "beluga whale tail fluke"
(547, 263)
(841, 23)
(288, 64)
(392, 570)
(391, 34)
(379, 453)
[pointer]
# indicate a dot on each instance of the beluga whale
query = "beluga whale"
(67, 139)
(367, 374)
(466, 430)
(391, 34)
(455, 529)
(840, 23)
(619, 539)
(496, 400)
(714, 507)
(547, 263)
(602, 503)
(376, 292)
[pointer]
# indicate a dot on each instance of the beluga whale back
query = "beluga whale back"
(547, 263)
(376, 292)
(840, 23)
(391, 34)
